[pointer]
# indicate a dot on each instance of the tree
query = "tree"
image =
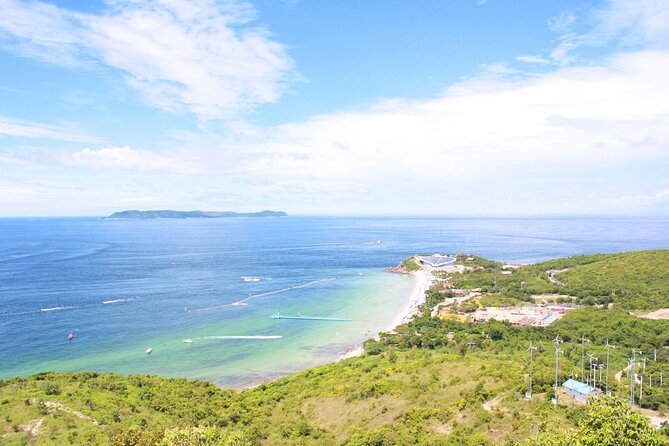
(612, 422)
(608, 422)
(202, 436)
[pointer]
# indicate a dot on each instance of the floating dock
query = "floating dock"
(312, 318)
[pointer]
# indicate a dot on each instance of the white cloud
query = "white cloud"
(125, 158)
(483, 139)
(641, 201)
(483, 131)
(571, 139)
(633, 22)
(30, 129)
(533, 59)
(625, 23)
(204, 56)
(562, 23)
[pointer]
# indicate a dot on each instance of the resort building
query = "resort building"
(580, 391)
(520, 316)
(436, 260)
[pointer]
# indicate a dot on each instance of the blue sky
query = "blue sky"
(353, 107)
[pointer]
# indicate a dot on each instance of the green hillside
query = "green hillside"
(433, 382)
(633, 280)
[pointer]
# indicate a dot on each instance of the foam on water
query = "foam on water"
(44, 310)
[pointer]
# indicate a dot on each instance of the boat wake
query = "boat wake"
(44, 310)
(117, 301)
(244, 302)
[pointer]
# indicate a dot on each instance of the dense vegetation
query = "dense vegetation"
(635, 280)
(410, 264)
(432, 382)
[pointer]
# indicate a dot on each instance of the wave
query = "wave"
(253, 337)
(12, 258)
(116, 301)
(375, 242)
(244, 302)
(54, 309)
(254, 278)
(293, 287)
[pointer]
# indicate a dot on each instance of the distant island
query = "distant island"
(145, 215)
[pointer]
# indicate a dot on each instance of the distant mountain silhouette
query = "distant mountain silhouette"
(143, 215)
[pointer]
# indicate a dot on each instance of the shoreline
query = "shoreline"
(423, 280)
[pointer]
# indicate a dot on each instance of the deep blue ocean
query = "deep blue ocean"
(122, 286)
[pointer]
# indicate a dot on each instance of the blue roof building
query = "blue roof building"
(580, 391)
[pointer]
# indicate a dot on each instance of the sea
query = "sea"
(121, 287)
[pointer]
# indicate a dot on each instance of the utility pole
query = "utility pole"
(633, 374)
(529, 391)
(591, 375)
(641, 390)
(583, 356)
(608, 346)
(557, 342)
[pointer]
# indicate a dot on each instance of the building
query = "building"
(580, 391)
(518, 316)
(436, 260)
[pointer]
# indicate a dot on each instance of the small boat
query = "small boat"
(187, 341)
(250, 279)
(70, 336)
(149, 350)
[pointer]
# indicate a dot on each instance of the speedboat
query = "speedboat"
(149, 350)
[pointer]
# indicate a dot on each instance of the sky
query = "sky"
(373, 107)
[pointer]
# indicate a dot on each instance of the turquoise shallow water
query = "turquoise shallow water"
(153, 274)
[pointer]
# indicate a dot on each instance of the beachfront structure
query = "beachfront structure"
(436, 260)
(580, 391)
(520, 316)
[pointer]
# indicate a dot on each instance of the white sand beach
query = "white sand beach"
(423, 280)
(416, 299)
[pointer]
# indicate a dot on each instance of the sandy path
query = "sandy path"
(662, 313)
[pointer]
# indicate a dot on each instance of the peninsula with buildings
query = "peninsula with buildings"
(146, 215)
